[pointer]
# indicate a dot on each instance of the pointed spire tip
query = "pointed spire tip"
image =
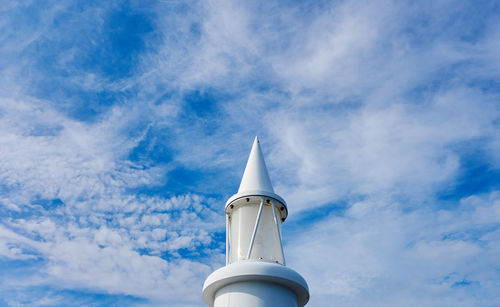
(256, 177)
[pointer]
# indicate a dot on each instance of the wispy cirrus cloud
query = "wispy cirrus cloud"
(124, 127)
(378, 253)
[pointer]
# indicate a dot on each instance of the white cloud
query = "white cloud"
(107, 259)
(380, 254)
(352, 100)
(91, 240)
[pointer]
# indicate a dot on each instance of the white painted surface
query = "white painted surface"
(254, 294)
(255, 176)
(271, 276)
(255, 274)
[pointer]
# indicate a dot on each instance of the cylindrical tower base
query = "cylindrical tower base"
(255, 284)
(254, 294)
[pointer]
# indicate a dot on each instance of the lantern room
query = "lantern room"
(255, 274)
(254, 216)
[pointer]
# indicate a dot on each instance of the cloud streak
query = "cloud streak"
(124, 127)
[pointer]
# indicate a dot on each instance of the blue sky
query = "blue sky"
(126, 125)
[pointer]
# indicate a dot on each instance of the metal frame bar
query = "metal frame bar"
(255, 228)
(278, 230)
(228, 228)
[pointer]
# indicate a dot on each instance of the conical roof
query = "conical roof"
(256, 177)
(256, 181)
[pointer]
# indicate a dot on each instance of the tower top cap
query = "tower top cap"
(256, 181)
(255, 177)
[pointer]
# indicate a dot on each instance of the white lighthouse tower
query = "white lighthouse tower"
(255, 274)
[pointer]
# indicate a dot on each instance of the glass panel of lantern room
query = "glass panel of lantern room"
(267, 245)
(242, 219)
(241, 224)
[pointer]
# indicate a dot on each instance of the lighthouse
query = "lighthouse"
(255, 274)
